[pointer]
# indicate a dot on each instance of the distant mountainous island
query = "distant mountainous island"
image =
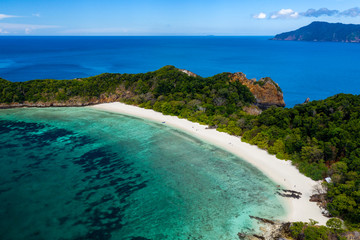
(323, 32)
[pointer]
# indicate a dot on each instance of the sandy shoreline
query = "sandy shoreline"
(280, 171)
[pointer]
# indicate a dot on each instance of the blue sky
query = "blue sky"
(169, 17)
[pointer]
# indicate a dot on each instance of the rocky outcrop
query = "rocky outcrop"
(269, 230)
(266, 92)
(355, 235)
(289, 193)
(191, 74)
(321, 201)
(252, 110)
(263, 220)
(318, 198)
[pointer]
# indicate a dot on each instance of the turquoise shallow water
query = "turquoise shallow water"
(80, 173)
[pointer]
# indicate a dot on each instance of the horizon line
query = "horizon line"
(136, 35)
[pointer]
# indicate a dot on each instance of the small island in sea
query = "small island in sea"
(323, 32)
(320, 137)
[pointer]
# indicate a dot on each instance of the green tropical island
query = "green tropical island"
(323, 32)
(321, 138)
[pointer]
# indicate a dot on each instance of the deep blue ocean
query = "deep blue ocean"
(302, 69)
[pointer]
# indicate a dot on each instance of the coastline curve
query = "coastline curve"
(280, 171)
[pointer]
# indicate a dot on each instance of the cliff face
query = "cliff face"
(323, 32)
(266, 91)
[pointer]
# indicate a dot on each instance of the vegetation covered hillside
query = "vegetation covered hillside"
(323, 139)
(168, 90)
(323, 32)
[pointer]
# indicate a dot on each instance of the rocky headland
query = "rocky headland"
(266, 92)
(106, 88)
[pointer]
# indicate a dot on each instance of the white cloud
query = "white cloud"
(23, 28)
(3, 16)
(3, 31)
(36, 14)
(284, 13)
(260, 16)
(291, 14)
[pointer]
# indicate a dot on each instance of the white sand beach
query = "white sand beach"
(280, 171)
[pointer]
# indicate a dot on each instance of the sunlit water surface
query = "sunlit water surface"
(80, 173)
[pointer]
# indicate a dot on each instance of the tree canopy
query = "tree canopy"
(322, 139)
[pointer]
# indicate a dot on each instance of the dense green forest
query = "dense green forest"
(322, 138)
(334, 229)
(167, 89)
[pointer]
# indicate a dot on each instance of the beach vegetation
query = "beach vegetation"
(316, 233)
(311, 231)
(297, 229)
(322, 140)
(334, 223)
